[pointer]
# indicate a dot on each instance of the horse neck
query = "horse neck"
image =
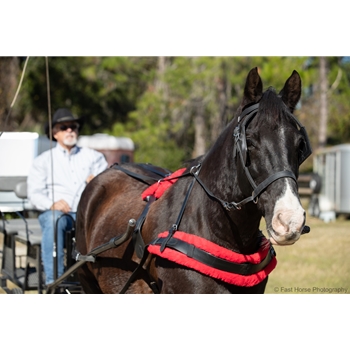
(237, 229)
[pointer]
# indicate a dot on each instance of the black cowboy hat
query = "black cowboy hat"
(60, 116)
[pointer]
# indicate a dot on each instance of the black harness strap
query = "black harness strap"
(225, 204)
(153, 284)
(139, 244)
(262, 186)
(148, 180)
(175, 226)
(156, 170)
(82, 259)
(210, 260)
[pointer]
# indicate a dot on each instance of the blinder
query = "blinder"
(239, 135)
(304, 151)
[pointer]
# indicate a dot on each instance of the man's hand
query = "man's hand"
(61, 205)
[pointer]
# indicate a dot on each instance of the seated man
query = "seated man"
(56, 181)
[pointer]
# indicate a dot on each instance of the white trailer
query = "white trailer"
(17, 152)
(333, 166)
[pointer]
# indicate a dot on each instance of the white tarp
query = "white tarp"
(17, 151)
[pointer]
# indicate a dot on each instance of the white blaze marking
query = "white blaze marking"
(288, 216)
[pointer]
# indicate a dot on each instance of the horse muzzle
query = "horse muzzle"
(285, 241)
(286, 226)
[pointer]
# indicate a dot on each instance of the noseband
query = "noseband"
(240, 147)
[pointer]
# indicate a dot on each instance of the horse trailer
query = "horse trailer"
(333, 166)
(115, 149)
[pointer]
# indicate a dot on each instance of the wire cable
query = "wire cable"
(16, 94)
(20, 82)
(51, 157)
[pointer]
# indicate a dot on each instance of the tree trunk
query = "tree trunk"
(220, 120)
(199, 129)
(322, 135)
(160, 85)
(9, 70)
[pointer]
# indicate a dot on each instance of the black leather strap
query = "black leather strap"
(263, 185)
(148, 180)
(225, 204)
(174, 227)
(139, 244)
(271, 179)
(206, 258)
(156, 170)
(248, 110)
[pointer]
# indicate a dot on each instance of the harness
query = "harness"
(169, 242)
(188, 249)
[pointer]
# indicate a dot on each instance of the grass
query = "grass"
(319, 263)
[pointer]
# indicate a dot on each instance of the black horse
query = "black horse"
(201, 234)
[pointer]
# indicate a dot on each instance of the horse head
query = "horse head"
(269, 146)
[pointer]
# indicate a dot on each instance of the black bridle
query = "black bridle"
(240, 147)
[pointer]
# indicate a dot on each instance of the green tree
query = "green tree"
(173, 108)
(102, 89)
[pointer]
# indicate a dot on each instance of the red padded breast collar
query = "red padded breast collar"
(207, 257)
(222, 254)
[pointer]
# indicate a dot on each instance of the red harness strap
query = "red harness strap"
(222, 253)
(156, 190)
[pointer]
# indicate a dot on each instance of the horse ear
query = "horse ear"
(291, 91)
(253, 87)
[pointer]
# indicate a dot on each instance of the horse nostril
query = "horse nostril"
(282, 222)
(280, 227)
(285, 223)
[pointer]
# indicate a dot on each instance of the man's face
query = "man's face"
(66, 133)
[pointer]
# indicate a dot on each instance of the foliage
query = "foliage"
(339, 102)
(168, 104)
(102, 89)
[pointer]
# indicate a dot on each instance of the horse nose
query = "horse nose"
(289, 224)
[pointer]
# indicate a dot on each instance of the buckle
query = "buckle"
(195, 168)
